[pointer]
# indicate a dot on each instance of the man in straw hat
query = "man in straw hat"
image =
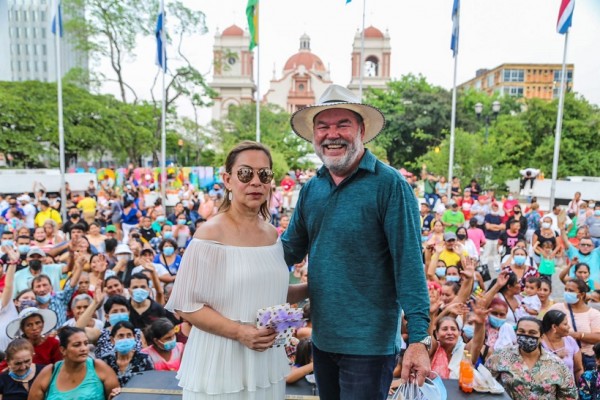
(358, 220)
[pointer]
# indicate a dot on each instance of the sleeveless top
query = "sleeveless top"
(90, 388)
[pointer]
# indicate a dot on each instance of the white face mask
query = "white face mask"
(546, 225)
(123, 257)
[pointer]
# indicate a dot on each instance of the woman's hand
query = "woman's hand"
(256, 339)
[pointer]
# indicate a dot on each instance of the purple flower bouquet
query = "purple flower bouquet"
(283, 318)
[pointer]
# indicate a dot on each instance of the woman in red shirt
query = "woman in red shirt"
(34, 324)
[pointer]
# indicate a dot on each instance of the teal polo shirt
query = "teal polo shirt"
(364, 266)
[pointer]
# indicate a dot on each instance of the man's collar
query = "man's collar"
(367, 162)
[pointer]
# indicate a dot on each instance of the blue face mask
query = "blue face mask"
(168, 251)
(597, 213)
(451, 278)
(469, 331)
(124, 346)
(168, 235)
(7, 243)
(496, 322)
(43, 299)
(181, 222)
(19, 377)
(24, 248)
(116, 318)
(140, 295)
(161, 219)
(570, 297)
(170, 345)
(424, 238)
(440, 272)
(519, 260)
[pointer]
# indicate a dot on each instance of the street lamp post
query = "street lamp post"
(495, 111)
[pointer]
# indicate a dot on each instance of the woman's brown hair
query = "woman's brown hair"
(230, 161)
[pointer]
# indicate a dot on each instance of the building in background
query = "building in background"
(27, 42)
(541, 81)
(303, 80)
(233, 70)
(377, 54)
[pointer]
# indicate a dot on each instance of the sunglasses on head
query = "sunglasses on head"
(246, 174)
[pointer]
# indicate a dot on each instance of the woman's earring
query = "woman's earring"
(230, 196)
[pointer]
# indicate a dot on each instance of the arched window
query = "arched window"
(372, 66)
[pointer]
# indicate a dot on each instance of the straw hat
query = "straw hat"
(13, 329)
(336, 96)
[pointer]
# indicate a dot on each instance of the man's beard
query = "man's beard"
(340, 165)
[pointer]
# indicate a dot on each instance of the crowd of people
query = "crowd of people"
(120, 286)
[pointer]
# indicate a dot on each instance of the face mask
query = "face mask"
(454, 212)
(19, 377)
(571, 298)
(527, 343)
(519, 260)
(496, 322)
(122, 257)
(510, 197)
(43, 299)
(440, 272)
(592, 205)
(424, 238)
(170, 345)
(24, 248)
(116, 318)
(26, 304)
(597, 213)
(124, 346)
(7, 243)
(161, 219)
(469, 331)
(168, 251)
(35, 265)
(452, 278)
(140, 295)
(494, 212)
(546, 225)
(461, 236)
(181, 222)
(168, 235)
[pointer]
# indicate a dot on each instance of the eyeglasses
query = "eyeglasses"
(246, 174)
(586, 244)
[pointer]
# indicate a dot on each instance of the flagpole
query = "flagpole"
(362, 53)
(61, 129)
(452, 125)
(163, 128)
(559, 117)
(257, 27)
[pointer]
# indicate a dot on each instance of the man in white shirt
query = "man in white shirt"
(554, 215)
(29, 211)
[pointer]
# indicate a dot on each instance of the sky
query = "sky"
(492, 32)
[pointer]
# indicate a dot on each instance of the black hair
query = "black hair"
(115, 277)
(116, 299)
(65, 333)
(546, 280)
(512, 281)
(552, 317)
(303, 352)
(165, 241)
(582, 287)
(79, 226)
(159, 328)
(39, 278)
(531, 319)
(122, 324)
(534, 281)
(597, 351)
(110, 245)
(454, 285)
(139, 275)
(306, 311)
(581, 264)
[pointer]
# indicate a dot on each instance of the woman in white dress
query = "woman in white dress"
(233, 267)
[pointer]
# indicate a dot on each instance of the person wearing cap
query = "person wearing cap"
(29, 211)
(453, 218)
(34, 324)
(13, 204)
(493, 229)
(358, 219)
(36, 266)
(124, 264)
(46, 212)
(452, 253)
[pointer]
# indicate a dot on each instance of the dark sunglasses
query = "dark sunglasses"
(246, 174)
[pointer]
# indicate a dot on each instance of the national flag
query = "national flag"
(252, 15)
(58, 15)
(161, 38)
(455, 27)
(565, 16)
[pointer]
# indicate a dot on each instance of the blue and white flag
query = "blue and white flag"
(161, 38)
(455, 27)
(57, 16)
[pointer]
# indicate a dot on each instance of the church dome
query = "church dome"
(372, 32)
(233, 30)
(305, 57)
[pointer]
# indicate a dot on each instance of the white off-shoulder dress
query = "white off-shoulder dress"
(236, 282)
